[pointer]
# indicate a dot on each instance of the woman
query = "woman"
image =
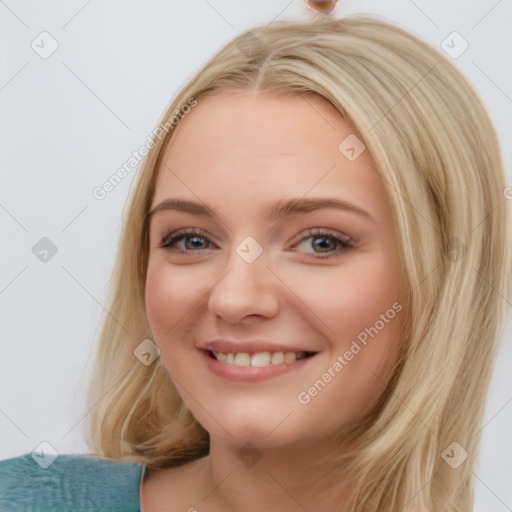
(310, 284)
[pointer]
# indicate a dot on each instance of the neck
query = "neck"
(252, 479)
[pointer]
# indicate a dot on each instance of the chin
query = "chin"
(240, 431)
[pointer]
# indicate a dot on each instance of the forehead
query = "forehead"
(242, 147)
(260, 123)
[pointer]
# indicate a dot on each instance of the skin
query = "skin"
(238, 152)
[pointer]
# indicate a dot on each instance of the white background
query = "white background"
(70, 121)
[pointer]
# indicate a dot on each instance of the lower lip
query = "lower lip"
(251, 373)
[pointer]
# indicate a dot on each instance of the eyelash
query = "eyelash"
(170, 240)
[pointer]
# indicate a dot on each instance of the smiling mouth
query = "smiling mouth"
(259, 359)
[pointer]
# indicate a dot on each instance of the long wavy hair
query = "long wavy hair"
(436, 150)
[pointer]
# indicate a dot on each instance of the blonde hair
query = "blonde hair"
(437, 153)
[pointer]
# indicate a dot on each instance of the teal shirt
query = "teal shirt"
(72, 482)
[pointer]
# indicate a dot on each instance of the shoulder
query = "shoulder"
(79, 481)
(176, 486)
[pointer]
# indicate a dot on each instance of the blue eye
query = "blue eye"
(329, 244)
(170, 241)
(320, 236)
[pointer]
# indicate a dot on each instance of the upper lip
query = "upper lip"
(250, 346)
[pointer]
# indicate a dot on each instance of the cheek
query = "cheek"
(174, 303)
(166, 298)
(353, 305)
(347, 298)
(357, 304)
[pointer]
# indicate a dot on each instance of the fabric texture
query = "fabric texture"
(73, 482)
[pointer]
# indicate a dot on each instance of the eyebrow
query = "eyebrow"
(277, 210)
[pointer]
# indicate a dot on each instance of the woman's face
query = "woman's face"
(298, 298)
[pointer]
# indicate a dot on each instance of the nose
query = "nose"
(247, 289)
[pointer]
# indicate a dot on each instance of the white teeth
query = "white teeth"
(242, 359)
(259, 359)
(221, 357)
(289, 357)
(277, 358)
